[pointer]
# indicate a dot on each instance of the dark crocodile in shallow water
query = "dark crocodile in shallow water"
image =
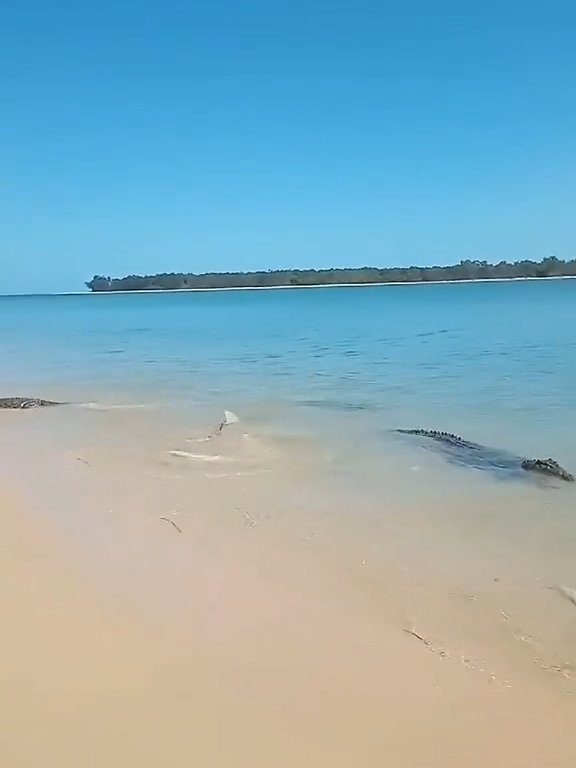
(462, 451)
(18, 403)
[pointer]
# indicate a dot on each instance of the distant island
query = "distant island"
(290, 278)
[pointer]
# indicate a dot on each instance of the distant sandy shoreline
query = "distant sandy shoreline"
(297, 287)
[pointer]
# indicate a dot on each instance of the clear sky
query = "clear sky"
(225, 135)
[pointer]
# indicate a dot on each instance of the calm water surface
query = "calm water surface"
(330, 374)
(495, 361)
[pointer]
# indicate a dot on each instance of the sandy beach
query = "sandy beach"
(144, 626)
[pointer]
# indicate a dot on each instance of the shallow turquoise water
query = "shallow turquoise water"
(494, 360)
(326, 375)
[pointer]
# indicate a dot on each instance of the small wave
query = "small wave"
(202, 456)
(424, 334)
(93, 406)
(226, 475)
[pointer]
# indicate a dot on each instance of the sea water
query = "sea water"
(328, 375)
(493, 361)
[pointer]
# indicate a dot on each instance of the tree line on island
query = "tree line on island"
(465, 270)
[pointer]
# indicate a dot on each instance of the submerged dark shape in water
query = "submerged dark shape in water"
(18, 403)
(330, 404)
(482, 457)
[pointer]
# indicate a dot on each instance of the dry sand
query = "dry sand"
(126, 642)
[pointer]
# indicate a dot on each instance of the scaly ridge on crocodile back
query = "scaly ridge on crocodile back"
(19, 403)
(442, 437)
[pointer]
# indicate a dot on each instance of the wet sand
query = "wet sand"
(227, 637)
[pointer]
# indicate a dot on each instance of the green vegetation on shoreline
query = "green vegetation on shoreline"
(465, 270)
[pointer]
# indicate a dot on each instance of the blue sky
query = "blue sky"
(180, 136)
